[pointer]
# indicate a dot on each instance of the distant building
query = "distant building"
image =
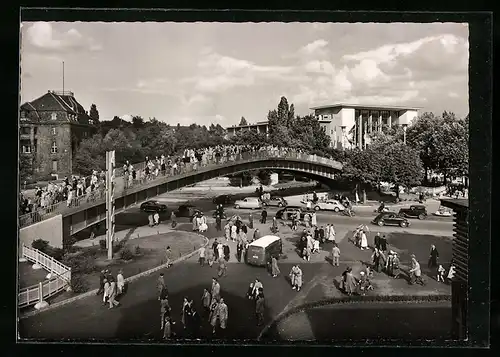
(349, 124)
(342, 121)
(260, 127)
(51, 127)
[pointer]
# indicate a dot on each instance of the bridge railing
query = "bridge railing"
(37, 293)
(122, 183)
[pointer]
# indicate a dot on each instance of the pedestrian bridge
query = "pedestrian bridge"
(89, 212)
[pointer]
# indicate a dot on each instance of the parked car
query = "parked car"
(329, 205)
(415, 211)
(223, 199)
(390, 219)
(186, 211)
(275, 201)
(153, 206)
(248, 202)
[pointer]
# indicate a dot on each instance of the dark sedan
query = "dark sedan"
(390, 219)
(153, 206)
(186, 211)
(288, 212)
(275, 201)
(415, 211)
(223, 199)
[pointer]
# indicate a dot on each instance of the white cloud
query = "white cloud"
(322, 67)
(367, 70)
(314, 47)
(43, 36)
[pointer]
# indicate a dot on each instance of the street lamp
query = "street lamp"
(404, 133)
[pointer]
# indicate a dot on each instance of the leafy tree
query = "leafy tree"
(401, 165)
(243, 121)
(90, 155)
(249, 137)
(94, 114)
(25, 167)
(309, 135)
(137, 122)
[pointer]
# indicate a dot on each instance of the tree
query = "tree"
(309, 135)
(137, 122)
(401, 165)
(25, 167)
(243, 121)
(89, 156)
(249, 137)
(94, 114)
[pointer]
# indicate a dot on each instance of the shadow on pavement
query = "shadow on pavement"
(372, 322)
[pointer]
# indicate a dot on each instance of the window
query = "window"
(25, 130)
(85, 134)
(54, 116)
(35, 130)
(54, 131)
(23, 114)
(385, 117)
(25, 147)
(331, 131)
(35, 144)
(54, 165)
(54, 148)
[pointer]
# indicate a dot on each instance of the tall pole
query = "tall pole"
(110, 202)
(63, 77)
(404, 134)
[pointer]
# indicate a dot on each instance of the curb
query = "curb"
(360, 300)
(127, 280)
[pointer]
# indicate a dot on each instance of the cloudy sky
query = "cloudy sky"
(216, 73)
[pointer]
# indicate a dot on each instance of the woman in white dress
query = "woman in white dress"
(364, 241)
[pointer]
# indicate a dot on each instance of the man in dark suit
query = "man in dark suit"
(377, 241)
(383, 244)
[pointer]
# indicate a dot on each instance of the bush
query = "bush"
(40, 244)
(126, 254)
(56, 253)
(81, 263)
(102, 244)
(79, 284)
(138, 250)
(118, 246)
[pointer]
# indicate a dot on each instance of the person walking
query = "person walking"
(156, 218)
(350, 282)
(396, 270)
(223, 314)
(105, 294)
(214, 314)
(194, 322)
(102, 277)
(383, 244)
(433, 257)
(222, 267)
(234, 233)
(314, 220)
(120, 282)
(259, 308)
(335, 255)
(205, 302)
(256, 286)
(164, 308)
(161, 286)
(296, 277)
(215, 244)
(256, 234)
(415, 272)
(307, 219)
(218, 223)
(220, 250)
(201, 258)
(112, 294)
(440, 274)
(263, 216)
(239, 251)
(168, 256)
(215, 291)
(184, 312)
(227, 252)
(331, 234)
(167, 328)
(376, 260)
(250, 221)
(227, 231)
(210, 257)
(173, 218)
(275, 270)
(376, 241)
(364, 240)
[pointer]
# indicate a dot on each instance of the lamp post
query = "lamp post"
(110, 201)
(404, 133)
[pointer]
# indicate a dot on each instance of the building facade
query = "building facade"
(51, 128)
(349, 125)
(259, 127)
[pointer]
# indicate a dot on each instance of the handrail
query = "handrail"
(37, 293)
(122, 183)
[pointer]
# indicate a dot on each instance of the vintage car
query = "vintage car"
(186, 211)
(223, 199)
(248, 202)
(328, 205)
(288, 212)
(443, 212)
(415, 211)
(390, 219)
(275, 201)
(153, 206)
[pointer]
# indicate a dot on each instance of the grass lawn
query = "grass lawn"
(152, 254)
(29, 276)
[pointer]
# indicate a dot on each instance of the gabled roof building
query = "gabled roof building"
(50, 129)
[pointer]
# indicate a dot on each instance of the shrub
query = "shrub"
(68, 242)
(81, 263)
(102, 244)
(79, 284)
(118, 246)
(56, 253)
(126, 254)
(138, 250)
(40, 244)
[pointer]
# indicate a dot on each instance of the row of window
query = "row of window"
(26, 130)
(26, 148)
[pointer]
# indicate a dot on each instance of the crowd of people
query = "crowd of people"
(76, 189)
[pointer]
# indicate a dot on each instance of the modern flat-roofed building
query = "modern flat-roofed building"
(349, 124)
(260, 127)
